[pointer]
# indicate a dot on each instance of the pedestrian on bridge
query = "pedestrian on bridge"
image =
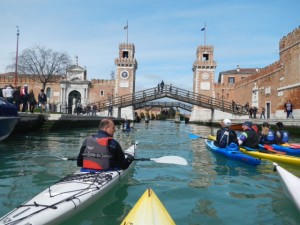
(162, 84)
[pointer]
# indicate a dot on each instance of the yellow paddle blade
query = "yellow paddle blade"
(211, 137)
(148, 211)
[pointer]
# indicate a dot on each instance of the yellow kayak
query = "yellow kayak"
(287, 159)
(148, 211)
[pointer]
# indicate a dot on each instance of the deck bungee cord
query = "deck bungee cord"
(97, 179)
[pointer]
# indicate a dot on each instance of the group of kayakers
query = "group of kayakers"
(250, 136)
(102, 152)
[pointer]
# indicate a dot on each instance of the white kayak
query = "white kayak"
(67, 197)
(291, 184)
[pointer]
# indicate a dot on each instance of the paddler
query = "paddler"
(101, 151)
(249, 137)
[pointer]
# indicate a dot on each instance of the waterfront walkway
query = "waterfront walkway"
(45, 122)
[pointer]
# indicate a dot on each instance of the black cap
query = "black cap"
(265, 124)
(279, 125)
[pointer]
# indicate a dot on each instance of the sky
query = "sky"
(165, 33)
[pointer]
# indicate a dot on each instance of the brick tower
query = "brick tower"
(126, 66)
(204, 79)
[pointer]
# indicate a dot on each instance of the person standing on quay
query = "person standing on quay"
(31, 101)
(289, 109)
(17, 97)
(42, 98)
(24, 98)
(263, 111)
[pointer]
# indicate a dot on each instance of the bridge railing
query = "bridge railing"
(168, 91)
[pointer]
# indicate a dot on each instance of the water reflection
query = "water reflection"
(212, 189)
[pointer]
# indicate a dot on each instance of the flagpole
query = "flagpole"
(16, 72)
(127, 33)
(204, 34)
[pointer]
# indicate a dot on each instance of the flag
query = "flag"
(203, 29)
(126, 27)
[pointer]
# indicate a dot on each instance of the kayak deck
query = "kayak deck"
(287, 159)
(66, 197)
(233, 153)
(148, 210)
(291, 184)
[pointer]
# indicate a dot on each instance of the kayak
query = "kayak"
(67, 197)
(288, 149)
(232, 151)
(148, 210)
(128, 129)
(287, 159)
(291, 184)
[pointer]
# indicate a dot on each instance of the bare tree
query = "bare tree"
(43, 65)
(112, 75)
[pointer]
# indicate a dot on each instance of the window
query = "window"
(101, 93)
(205, 57)
(125, 54)
(48, 92)
(231, 80)
(268, 90)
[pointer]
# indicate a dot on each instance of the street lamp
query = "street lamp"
(16, 72)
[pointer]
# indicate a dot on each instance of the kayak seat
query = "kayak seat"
(232, 147)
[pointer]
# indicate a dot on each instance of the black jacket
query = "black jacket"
(232, 136)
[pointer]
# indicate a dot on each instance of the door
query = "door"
(268, 109)
(73, 99)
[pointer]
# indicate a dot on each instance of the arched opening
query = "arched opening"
(48, 92)
(73, 99)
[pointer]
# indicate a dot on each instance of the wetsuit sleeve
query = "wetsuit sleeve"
(80, 156)
(233, 137)
(242, 138)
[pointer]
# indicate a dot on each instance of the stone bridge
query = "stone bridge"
(145, 98)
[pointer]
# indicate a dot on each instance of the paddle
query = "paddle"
(194, 136)
(270, 148)
(165, 159)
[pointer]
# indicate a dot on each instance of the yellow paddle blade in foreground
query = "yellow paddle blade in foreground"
(212, 137)
(148, 211)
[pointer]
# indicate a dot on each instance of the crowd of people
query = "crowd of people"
(89, 110)
(250, 136)
(24, 98)
(253, 110)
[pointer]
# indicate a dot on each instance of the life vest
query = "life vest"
(224, 140)
(284, 136)
(252, 139)
(96, 155)
(270, 137)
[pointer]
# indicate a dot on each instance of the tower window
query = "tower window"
(101, 93)
(205, 57)
(125, 54)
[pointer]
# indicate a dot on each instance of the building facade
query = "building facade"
(269, 87)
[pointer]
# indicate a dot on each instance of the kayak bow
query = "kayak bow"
(291, 184)
(148, 210)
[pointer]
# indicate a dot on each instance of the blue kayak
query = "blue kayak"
(232, 151)
(282, 148)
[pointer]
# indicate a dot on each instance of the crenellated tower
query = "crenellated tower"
(126, 66)
(204, 79)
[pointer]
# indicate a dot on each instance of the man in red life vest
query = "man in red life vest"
(101, 151)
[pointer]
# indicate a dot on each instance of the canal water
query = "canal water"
(211, 189)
